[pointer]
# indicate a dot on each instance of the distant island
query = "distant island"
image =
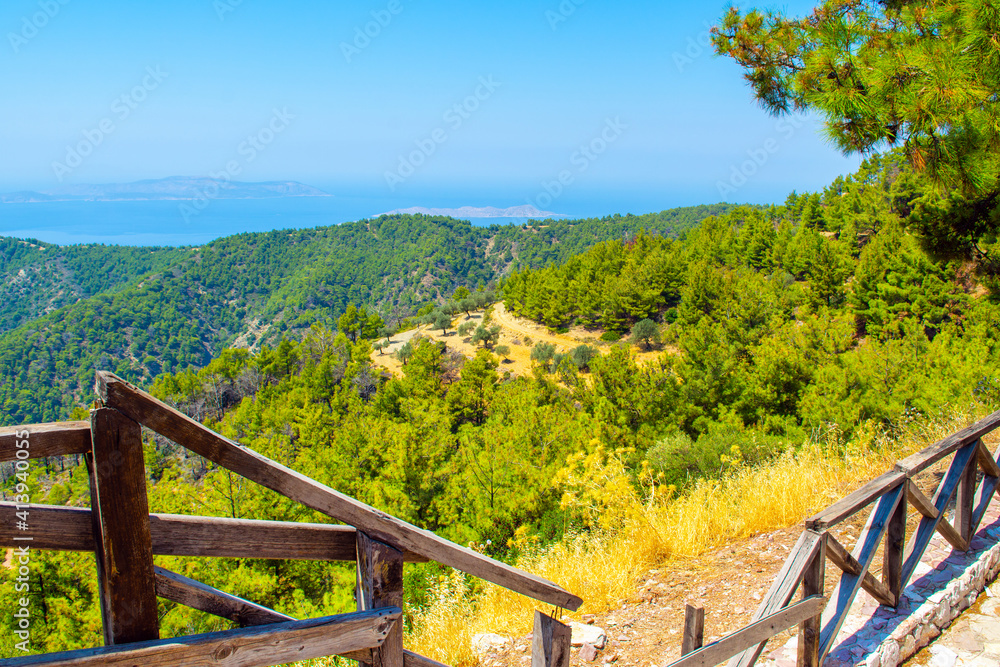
(173, 188)
(526, 211)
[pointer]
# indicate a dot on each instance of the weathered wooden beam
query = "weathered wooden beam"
(920, 502)
(410, 659)
(51, 439)
(965, 498)
(856, 501)
(987, 461)
(380, 584)
(942, 497)
(894, 551)
(259, 646)
(172, 586)
(69, 529)
(785, 584)
(124, 548)
(926, 507)
(194, 594)
(864, 552)
(694, 629)
(843, 559)
(52, 527)
(183, 430)
(550, 642)
(757, 632)
(983, 497)
(927, 457)
(813, 581)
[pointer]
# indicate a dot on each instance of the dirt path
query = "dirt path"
(518, 326)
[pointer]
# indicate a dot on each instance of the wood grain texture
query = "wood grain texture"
(380, 584)
(856, 501)
(755, 633)
(983, 497)
(965, 499)
(785, 584)
(694, 629)
(843, 559)
(925, 506)
(69, 529)
(987, 461)
(183, 430)
(927, 457)
(813, 580)
(194, 594)
(411, 659)
(920, 502)
(893, 552)
(260, 646)
(864, 552)
(51, 439)
(123, 545)
(942, 497)
(550, 642)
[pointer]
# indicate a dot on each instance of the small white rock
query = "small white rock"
(587, 634)
(942, 657)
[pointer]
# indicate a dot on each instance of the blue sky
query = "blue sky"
(178, 88)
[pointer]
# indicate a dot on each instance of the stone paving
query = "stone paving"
(945, 583)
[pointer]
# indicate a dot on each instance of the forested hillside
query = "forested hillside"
(37, 278)
(780, 328)
(823, 311)
(144, 311)
(772, 331)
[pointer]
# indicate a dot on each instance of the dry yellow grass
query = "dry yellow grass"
(603, 566)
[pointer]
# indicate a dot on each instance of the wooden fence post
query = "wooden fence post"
(380, 584)
(694, 629)
(895, 549)
(966, 499)
(550, 642)
(120, 512)
(813, 583)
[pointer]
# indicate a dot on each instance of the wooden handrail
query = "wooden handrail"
(755, 633)
(782, 590)
(257, 646)
(150, 412)
(928, 456)
(71, 529)
(52, 439)
(855, 502)
(889, 493)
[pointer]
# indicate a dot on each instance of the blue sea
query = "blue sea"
(178, 223)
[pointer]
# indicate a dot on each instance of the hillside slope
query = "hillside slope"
(141, 311)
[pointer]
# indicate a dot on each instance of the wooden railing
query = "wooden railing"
(124, 537)
(889, 495)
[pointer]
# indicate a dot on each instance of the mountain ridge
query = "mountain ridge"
(523, 211)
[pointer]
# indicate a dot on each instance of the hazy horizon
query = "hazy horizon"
(493, 105)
